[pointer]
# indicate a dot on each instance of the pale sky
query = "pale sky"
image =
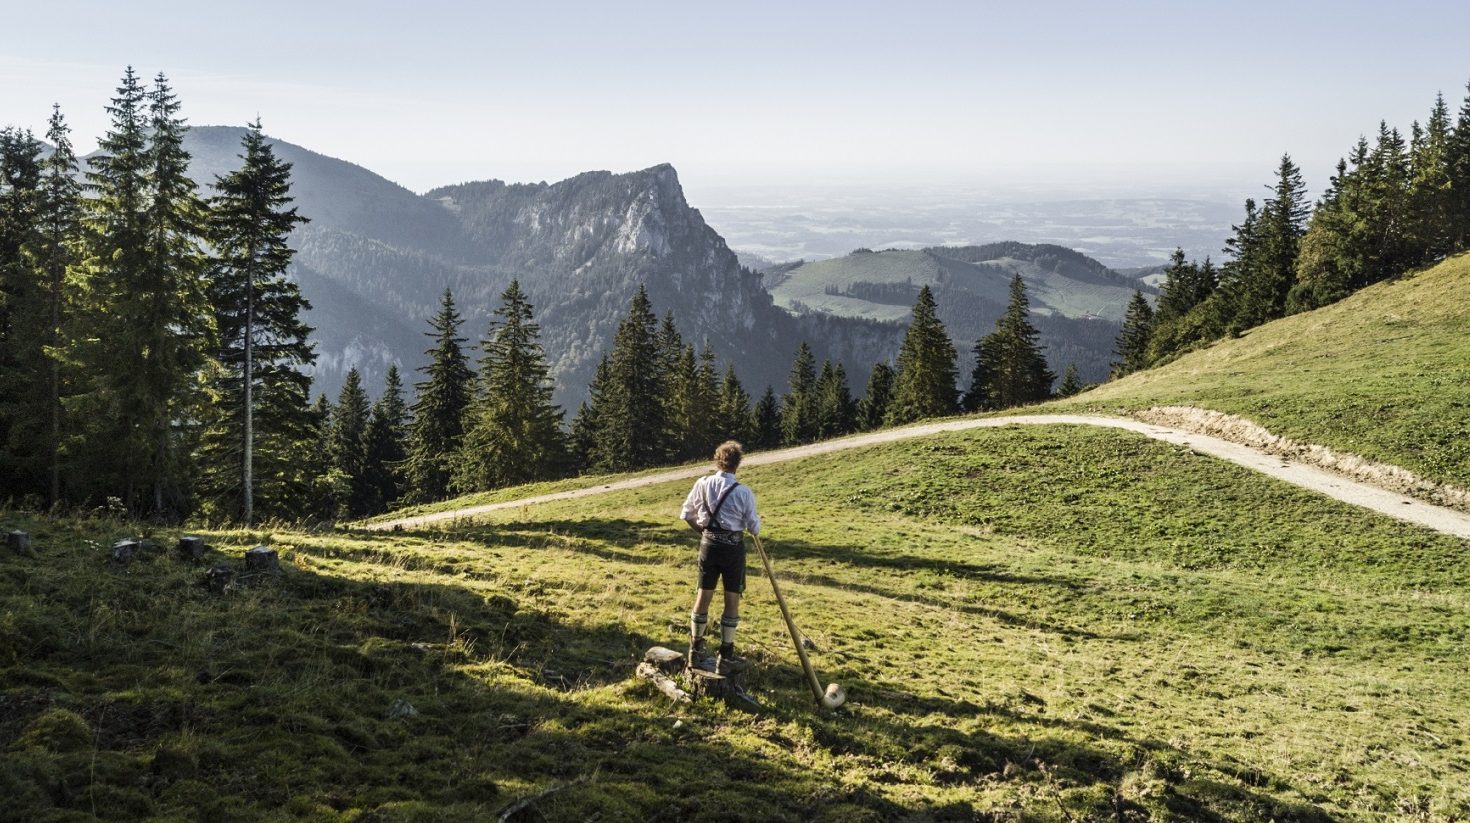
(431, 93)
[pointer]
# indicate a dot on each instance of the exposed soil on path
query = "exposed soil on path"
(1342, 488)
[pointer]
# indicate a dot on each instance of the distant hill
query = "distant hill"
(1076, 301)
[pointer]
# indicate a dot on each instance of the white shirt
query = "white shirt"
(738, 513)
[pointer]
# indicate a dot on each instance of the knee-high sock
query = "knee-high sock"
(697, 624)
(728, 625)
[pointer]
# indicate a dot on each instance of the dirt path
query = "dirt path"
(1342, 488)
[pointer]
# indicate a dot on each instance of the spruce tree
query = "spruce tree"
(1332, 255)
(1009, 363)
(347, 444)
(766, 421)
(631, 424)
(1432, 231)
(512, 430)
(798, 407)
(1282, 222)
(704, 433)
(329, 487)
(585, 425)
(834, 408)
(259, 423)
(681, 405)
(386, 440)
(874, 405)
(925, 382)
(1183, 316)
(59, 223)
(143, 332)
(23, 319)
(733, 417)
(1071, 385)
(1132, 345)
(437, 432)
(1457, 162)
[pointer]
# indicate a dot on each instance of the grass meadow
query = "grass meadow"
(1049, 624)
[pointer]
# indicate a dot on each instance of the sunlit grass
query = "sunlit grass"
(1030, 623)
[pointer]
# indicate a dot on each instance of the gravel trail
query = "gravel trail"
(1351, 491)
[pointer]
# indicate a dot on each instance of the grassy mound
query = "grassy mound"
(1039, 624)
(1384, 374)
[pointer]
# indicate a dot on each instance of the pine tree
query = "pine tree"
(766, 421)
(60, 230)
(925, 382)
(733, 419)
(23, 316)
(1186, 285)
(798, 407)
(1132, 345)
(1071, 385)
(260, 416)
(512, 430)
(144, 328)
(1385, 208)
(834, 408)
(585, 425)
(1430, 187)
(676, 364)
(1332, 256)
(329, 487)
(874, 405)
(347, 444)
(1243, 248)
(1009, 363)
(386, 441)
(704, 433)
(437, 432)
(1282, 222)
(631, 423)
(1183, 316)
(1457, 162)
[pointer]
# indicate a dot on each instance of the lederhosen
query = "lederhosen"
(721, 551)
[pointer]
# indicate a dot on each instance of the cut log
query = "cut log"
(191, 548)
(262, 559)
(123, 551)
(665, 684)
(707, 684)
(217, 579)
(20, 543)
(667, 660)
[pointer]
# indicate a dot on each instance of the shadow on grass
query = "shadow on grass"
(139, 693)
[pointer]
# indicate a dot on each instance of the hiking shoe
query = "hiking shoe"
(725, 659)
(696, 653)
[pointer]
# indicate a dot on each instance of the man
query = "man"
(720, 509)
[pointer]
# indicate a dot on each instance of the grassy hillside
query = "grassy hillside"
(1038, 624)
(1384, 374)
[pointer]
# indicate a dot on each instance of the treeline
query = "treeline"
(1392, 205)
(151, 347)
(655, 399)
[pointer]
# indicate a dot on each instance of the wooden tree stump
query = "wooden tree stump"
(665, 660)
(662, 666)
(20, 543)
(262, 560)
(217, 579)
(124, 550)
(191, 548)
